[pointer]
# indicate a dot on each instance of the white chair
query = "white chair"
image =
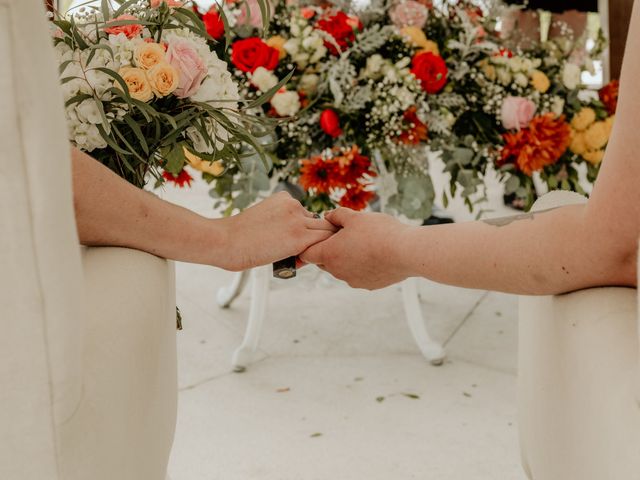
(579, 381)
(87, 348)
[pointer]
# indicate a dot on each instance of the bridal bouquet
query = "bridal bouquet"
(146, 94)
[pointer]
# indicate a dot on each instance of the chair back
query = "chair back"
(40, 266)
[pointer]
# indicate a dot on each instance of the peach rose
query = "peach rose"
(191, 68)
(517, 112)
(596, 136)
(578, 144)
(130, 31)
(594, 157)
(164, 79)
(540, 81)
(212, 168)
(148, 55)
(278, 42)
(409, 13)
(137, 83)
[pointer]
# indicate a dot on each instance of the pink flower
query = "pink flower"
(170, 3)
(130, 31)
(192, 69)
(409, 13)
(517, 112)
(250, 13)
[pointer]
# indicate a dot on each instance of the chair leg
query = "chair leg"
(244, 354)
(431, 350)
(226, 295)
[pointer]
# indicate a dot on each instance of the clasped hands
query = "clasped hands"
(367, 250)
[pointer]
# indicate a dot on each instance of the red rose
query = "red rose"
(431, 70)
(341, 27)
(213, 23)
(330, 123)
(251, 53)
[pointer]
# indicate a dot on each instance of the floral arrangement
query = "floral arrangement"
(147, 94)
(362, 98)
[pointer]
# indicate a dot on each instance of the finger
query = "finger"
(340, 216)
(320, 224)
(314, 254)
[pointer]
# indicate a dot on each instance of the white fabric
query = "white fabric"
(85, 392)
(579, 415)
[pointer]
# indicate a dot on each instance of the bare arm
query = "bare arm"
(543, 253)
(109, 211)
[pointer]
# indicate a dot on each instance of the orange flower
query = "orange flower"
(609, 96)
(353, 165)
(414, 130)
(320, 174)
(541, 144)
(356, 198)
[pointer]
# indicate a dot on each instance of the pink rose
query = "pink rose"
(250, 13)
(192, 69)
(170, 3)
(517, 112)
(409, 13)
(130, 31)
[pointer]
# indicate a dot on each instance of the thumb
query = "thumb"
(340, 216)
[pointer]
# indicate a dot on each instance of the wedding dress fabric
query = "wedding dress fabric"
(87, 348)
(579, 380)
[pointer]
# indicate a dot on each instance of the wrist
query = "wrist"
(218, 244)
(405, 249)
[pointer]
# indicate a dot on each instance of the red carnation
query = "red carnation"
(213, 23)
(341, 27)
(356, 198)
(609, 96)
(182, 179)
(431, 70)
(330, 123)
(251, 53)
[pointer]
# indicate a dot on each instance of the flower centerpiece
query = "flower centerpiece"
(146, 94)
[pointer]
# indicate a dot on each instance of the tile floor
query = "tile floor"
(339, 390)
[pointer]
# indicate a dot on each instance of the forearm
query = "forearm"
(109, 211)
(539, 253)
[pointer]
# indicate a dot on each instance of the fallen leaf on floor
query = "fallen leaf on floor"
(283, 390)
(380, 399)
(315, 435)
(413, 396)
(466, 394)
(358, 379)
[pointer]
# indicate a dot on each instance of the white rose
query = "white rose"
(571, 76)
(286, 103)
(309, 83)
(263, 79)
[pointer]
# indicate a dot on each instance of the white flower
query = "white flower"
(218, 88)
(521, 79)
(504, 76)
(309, 83)
(374, 66)
(88, 112)
(263, 79)
(88, 138)
(286, 103)
(217, 133)
(571, 76)
(557, 105)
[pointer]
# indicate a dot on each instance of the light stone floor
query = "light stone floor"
(339, 390)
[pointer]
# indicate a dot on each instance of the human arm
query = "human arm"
(110, 211)
(558, 251)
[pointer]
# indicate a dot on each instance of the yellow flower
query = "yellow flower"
(164, 79)
(278, 42)
(578, 144)
(416, 37)
(212, 168)
(596, 136)
(540, 81)
(609, 124)
(594, 157)
(430, 47)
(137, 83)
(583, 119)
(147, 55)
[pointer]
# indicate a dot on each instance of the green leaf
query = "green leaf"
(175, 159)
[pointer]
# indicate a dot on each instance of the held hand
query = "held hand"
(367, 252)
(277, 228)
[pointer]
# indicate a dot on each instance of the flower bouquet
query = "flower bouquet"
(146, 94)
